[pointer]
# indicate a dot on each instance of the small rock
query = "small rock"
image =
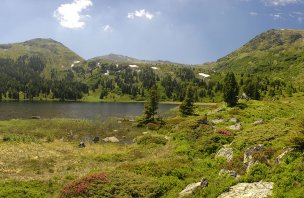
(96, 139)
(119, 122)
(218, 121)
(258, 122)
(231, 173)
(249, 190)
(235, 120)
(115, 130)
(168, 138)
(225, 152)
(82, 145)
(219, 110)
(245, 97)
(279, 158)
(112, 139)
(191, 187)
(35, 117)
(145, 133)
(235, 127)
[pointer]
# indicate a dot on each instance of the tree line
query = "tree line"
(24, 78)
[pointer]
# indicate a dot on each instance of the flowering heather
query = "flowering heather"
(225, 132)
(81, 186)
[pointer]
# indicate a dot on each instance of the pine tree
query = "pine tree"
(230, 89)
(187, 106)
(151, 105)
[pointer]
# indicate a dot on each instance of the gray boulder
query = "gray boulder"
(258, 122)
(112, 139)
(81, 145)
(192, 187)
(225, 152)
(218, 121)
(235, 120)
(235, 127)
(248, 153)
(249, 190)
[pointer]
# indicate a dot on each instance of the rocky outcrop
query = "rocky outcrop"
(225, 152)
(191, 187)
(112, 139)
(279, 158)
(249, 190)
(258, 122)
(235, 127)
(248, 153)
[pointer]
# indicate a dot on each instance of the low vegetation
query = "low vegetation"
(158, 162)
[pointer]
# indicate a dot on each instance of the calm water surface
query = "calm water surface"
(102, 111)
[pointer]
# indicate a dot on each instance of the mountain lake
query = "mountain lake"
(76, 110)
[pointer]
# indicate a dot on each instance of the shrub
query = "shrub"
(153, 126)
(81, 186)
(225, 132)
(151, 139)
(257, 173)
(125, 184)
(298, 143)
(264, 156)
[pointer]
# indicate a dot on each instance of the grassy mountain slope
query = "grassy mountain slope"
(55, 54)
(275, 53)
(116, 58)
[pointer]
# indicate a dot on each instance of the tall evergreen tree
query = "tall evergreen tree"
(251, 88)
(230, 89)
(151, 105)
(187, 106)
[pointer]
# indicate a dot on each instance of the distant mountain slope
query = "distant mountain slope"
(116, 58)
(275, 53)
(55, 54)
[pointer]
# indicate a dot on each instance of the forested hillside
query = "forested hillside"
(269, 66)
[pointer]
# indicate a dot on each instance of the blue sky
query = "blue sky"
(185, 31)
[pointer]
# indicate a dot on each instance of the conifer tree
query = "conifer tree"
(230, 89)
(151, 105)
(187, 106)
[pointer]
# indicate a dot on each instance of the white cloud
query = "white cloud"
(69, 15)
(253, 13)
(276, 16)
(281, 2)
(141, 14)
(107, 28)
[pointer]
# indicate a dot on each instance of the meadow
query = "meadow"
(41, 158)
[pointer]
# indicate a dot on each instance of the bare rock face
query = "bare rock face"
(249, 190)
(236, 127)
(112, 139)
(191, 187)
(225, 152)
